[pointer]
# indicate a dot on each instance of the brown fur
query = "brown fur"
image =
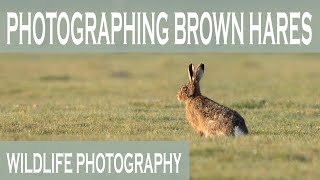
(206, 116)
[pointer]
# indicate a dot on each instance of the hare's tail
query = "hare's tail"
(240, 131)
(240, 128)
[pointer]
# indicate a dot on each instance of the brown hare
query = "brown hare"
(207, 117)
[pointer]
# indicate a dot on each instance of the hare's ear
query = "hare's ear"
(199, 72)
(191, 72)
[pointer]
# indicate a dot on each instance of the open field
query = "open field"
(133, 97)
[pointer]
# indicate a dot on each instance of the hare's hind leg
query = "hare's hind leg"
(216, 129)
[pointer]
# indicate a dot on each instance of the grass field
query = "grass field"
(133, 97)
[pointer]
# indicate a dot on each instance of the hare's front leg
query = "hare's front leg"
(200, 133)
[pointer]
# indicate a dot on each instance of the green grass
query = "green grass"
(133, 97)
